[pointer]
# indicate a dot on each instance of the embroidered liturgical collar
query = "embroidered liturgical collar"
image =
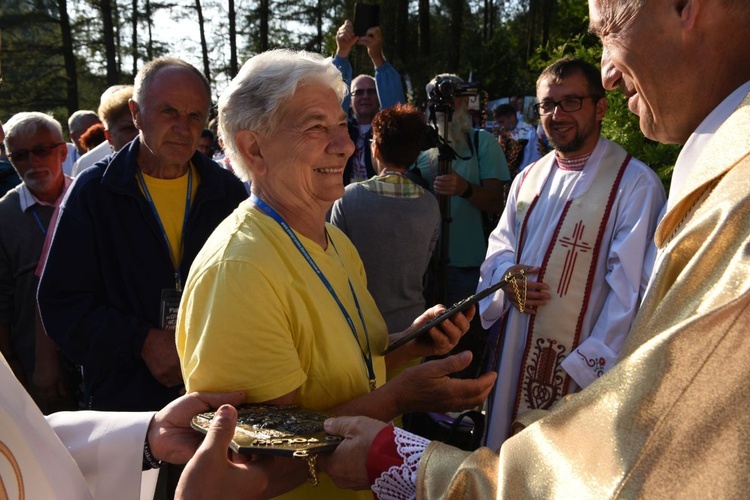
(575, 164)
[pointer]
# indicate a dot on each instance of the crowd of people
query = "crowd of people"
(141, 285)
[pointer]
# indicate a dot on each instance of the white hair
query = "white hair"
(28, 123)
(254, 99)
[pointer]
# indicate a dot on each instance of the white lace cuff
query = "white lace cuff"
(399, 482)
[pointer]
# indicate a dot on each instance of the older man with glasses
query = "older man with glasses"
(36, 148)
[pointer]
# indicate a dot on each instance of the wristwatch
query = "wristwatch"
(468, 191)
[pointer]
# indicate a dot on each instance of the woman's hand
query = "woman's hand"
(437, 341)
(429, 386)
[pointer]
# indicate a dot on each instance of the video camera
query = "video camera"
(446, 88)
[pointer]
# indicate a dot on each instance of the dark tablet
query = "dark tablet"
(457, 307)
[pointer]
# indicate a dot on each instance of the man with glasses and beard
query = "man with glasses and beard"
(578, 223)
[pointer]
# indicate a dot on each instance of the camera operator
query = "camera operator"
(475, 185)
(368, 95)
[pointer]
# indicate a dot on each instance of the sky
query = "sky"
(183, 34)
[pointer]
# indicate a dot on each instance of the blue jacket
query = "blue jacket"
(387, 81)
(100, 291)
(390, 92)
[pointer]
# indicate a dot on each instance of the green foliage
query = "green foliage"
(33, 67)
(28, 38)
(500, 67)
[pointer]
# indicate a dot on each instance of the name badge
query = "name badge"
(170, 304)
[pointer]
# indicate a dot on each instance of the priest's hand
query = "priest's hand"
(347, 465)
(215, 472)
(526, 295)
(169, 434)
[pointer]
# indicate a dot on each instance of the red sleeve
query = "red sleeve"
(383, 454)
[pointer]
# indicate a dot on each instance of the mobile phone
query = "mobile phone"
(366, 16)
(457, 307)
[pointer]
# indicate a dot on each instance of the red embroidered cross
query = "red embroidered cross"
(574, 245)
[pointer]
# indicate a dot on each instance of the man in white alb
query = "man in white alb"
(579, 223)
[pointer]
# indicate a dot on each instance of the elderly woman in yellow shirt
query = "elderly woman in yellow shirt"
(277, 303)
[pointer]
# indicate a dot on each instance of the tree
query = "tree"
(108, 33)
(456, 12)
(424, 28)
(233, 66)
(263, 13)
(134, 42)
(204, 46)
(402, 41)
(70, 60)
(34, 68)
(150, 44)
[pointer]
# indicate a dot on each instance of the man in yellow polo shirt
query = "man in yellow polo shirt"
(125, 240)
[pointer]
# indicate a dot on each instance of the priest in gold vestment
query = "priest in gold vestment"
(671, 418)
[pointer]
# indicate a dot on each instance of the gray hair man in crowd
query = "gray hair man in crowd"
(124, 244)
(78, 123)
(37, 151)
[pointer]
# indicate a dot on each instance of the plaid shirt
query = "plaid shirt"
(394, 185)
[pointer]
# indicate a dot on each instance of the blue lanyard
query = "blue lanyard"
(39, 221)
(367, 358)
(142, 181)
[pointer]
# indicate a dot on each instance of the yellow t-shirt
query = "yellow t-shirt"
(255, 317)
(169, 197)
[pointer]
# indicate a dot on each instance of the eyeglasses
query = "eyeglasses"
(569, 105)
(39, 152)
(361, 92)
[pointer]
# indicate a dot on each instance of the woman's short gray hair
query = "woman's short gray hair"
(254, 99)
